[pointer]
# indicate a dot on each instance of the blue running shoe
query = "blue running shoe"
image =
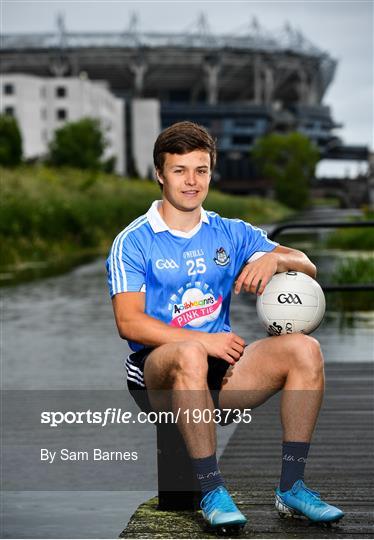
(301, 501)
(219, 510)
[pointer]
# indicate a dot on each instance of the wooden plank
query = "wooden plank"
(342, 450)
(340, 466)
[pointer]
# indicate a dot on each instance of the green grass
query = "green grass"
(330, 202)
(49, 215)
(45, 213)
(256, 210)
(355, 270)
(353, 239)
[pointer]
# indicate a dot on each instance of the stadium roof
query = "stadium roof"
(250, 36)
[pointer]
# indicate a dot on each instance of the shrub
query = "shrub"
(10, 142)
(78, 144)
(289, 161)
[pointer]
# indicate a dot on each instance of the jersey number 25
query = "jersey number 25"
(196, 266)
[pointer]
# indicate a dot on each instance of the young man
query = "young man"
(170, 275)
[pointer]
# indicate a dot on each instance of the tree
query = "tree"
(78, 144)
(10, 142)
(289, 161)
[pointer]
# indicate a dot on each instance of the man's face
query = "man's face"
(185, 179)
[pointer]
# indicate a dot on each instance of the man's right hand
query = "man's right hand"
(135, 325)
(225, 345)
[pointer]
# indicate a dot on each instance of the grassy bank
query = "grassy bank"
(353, 239)
(49, 215)
(356, 270)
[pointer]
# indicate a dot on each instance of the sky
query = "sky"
(342, 28)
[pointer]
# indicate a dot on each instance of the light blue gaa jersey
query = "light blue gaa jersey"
(187, 277)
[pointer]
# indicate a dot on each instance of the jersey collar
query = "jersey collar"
(158, 224)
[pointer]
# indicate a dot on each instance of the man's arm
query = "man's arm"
(256, 275)
(135, 325)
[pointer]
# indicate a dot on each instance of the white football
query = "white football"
(291, 302)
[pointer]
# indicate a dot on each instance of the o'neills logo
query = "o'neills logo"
(197, 306)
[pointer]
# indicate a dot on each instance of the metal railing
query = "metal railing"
(329, 225)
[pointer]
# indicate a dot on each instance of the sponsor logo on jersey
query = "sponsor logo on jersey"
(221, 258)
(195, 304)
(166, 264)
(179, 308)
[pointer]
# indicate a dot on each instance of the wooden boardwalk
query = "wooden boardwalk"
(340, 466)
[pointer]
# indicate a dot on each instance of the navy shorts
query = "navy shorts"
(135, 379)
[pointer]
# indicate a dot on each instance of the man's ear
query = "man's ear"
(159, 177)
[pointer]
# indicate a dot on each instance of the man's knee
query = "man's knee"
(190, 361)
(307, 353)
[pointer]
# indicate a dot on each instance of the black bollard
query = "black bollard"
(178, 488)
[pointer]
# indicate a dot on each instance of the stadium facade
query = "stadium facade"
(239, 86)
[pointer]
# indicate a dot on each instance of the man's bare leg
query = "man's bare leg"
(176, 378)
(293, 363)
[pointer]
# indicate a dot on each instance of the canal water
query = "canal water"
(59, 333)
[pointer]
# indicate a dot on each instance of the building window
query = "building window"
(179, 95)
(242, 139)
(61, 91)
(9, 111)
(43, 92)
(244, 124)
(43, 114)
(8, 89)
(61, 114)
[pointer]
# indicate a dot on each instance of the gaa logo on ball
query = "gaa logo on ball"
(289, 298)
(291, 302)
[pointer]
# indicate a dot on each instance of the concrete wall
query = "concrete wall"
(36, 103)
(146, 126)
(27, 105)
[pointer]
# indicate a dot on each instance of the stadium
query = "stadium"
(239, 85)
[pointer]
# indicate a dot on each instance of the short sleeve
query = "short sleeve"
(251, 242)
(125, 265)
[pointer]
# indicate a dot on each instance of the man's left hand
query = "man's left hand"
(256, 275)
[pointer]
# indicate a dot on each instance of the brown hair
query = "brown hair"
(182, 138)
